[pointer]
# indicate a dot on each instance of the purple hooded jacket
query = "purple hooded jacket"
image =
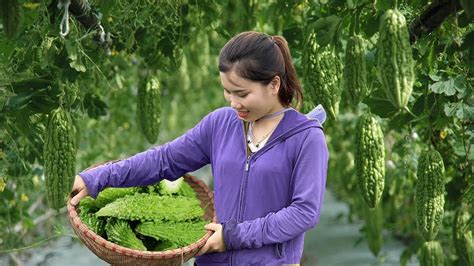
(265, 200)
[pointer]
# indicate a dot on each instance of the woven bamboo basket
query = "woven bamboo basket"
(118, 255)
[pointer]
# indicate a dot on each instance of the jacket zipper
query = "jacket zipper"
(247, 168)
(247, 164)
(244, 183)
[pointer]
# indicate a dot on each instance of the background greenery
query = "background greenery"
(180, 42)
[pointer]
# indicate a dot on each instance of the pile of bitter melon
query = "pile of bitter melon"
(153, 218)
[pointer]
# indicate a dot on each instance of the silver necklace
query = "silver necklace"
(257, 143)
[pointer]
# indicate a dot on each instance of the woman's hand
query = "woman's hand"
(215, 243)
(79, 190)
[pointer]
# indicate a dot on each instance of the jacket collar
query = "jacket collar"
(291, 124)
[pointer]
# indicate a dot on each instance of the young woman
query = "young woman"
(269, 162)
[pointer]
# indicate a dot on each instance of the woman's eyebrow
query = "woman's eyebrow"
(237, 90)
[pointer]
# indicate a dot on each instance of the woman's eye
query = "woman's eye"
(243, 95)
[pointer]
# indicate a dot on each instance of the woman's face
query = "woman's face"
(250, 99)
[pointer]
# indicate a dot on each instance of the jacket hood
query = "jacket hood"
(293, 123)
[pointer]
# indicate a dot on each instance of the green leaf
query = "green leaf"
(78, 66)
(463, 20)
(435, 77)
(380, 105)
(372, 25)
(7, 194)
(450, 109)
(399, 121)
(448, 87)
(95, 106)
(465, 112)
(293, 35)
(383, 6)
(419, 105)
(468, 41)
(445, 87)
(325, 29)
(75, 59)
(462, 111)
(18, 101)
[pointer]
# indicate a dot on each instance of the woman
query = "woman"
(269, 162)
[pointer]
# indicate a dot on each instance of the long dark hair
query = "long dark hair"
(260, 57)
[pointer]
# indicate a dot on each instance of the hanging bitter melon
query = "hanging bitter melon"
(462, 237)
(370, 159)
(429, 194)
(394, 58)
(59, 157)
(355, 70)
(322, 75)
(11, 14)
(149, 107)
(431, 254)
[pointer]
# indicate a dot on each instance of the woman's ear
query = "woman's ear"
(275, 85)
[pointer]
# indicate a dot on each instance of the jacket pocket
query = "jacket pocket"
(280, 250)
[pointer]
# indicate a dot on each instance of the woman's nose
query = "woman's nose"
(235, 104)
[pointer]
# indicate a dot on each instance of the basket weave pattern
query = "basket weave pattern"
(118, 255)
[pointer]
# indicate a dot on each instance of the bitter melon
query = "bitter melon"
(462, 237)
(94, 223)
(370, 159)
(120, 232)
(180, 233)
(355, 70)
(149, 108)
(373, 228)
(147, 207)
(323, 74)
(431, 254)
(109, 195)
(11, 17)
(59, 157)
(394, 58)
(429, 194)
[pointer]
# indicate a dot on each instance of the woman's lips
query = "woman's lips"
(243, 114)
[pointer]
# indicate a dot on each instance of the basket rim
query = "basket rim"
(91, 235)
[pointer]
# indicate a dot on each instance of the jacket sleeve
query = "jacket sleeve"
(187, 153)
(309, 182)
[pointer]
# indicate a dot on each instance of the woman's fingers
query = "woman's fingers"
(79, 190)
(215, 243)
(81, 194)
(204, 249)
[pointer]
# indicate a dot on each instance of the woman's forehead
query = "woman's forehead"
(232, 80)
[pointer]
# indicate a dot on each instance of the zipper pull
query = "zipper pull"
(247, 164)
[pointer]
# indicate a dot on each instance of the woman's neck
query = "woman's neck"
(270, 119)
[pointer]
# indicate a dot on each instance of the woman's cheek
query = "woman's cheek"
(226, 97)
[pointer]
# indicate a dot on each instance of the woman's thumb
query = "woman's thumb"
(212, 226)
